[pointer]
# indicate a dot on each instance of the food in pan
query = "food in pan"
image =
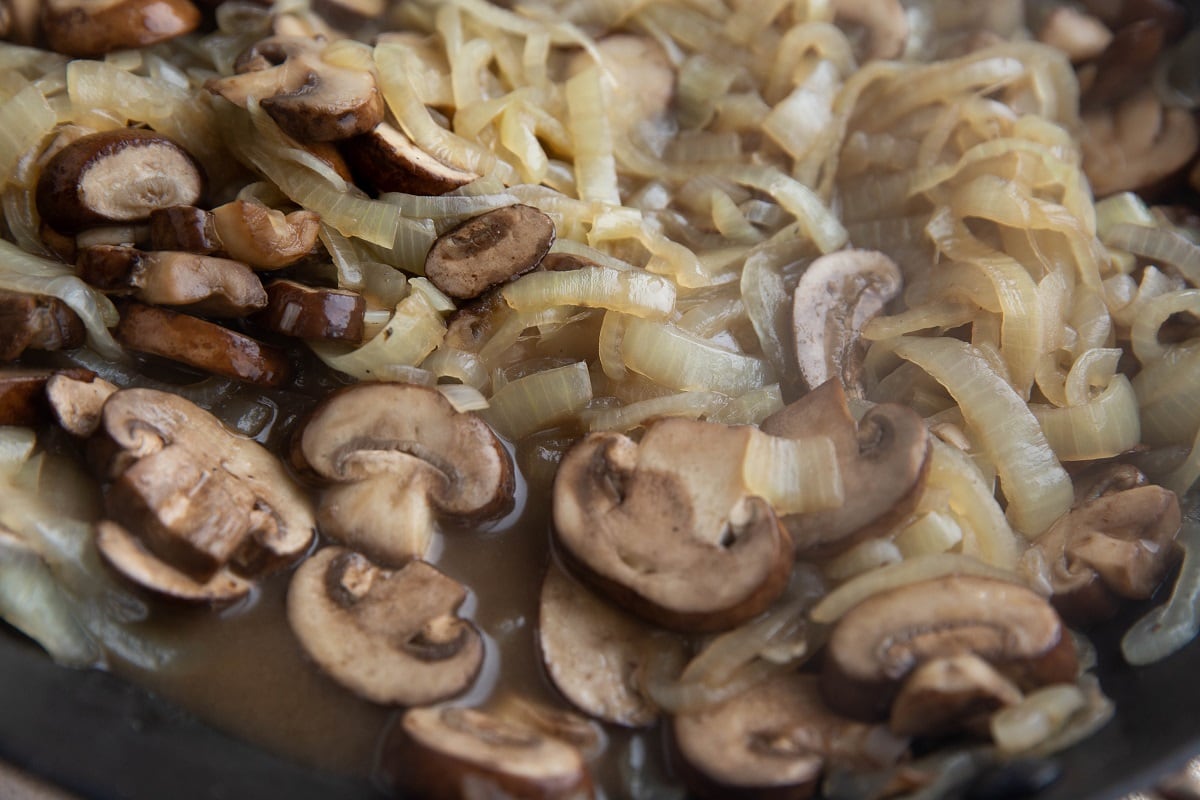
(595, 397)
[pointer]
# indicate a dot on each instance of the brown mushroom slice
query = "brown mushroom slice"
(1116, 544)
(947, 695)
(263, 237)
(391, 637)
(37, 322)
(774, 741)
(876, 644)
(185, 228)
(123, 552)
(596, 654)
(21, 400)
(201, 344)
(115, 176)
(836, 297)
(216, 287)
(488, 250)
(19, 21)
(90, 28)
(193, 491)
(1137, 143)
(399, 454)
(386, 160)
(308, 97)
(309, 312)
(77, 401)
(452, 753)
(667, 529)
(883, 460)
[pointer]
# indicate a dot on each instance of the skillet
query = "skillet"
(105, 739)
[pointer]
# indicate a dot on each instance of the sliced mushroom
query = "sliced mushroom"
(452, 753)
(883, 460)
(197, 497)
(201, 344)
(116, 176)
(582, 733)
(876, 644)
(309, 312)
(36, 322)
(386, 160)
(308, 97)
(596, 654)
(217, 287)
(399, 454)
(1125, 66)
(185, 228)
(1137, 143)
(89, 28)
(77, 401)
(488, 250)
(391, 637)
(470, 327)
(836, 297)
(19, 21)
(947, 695)
(126, 555)
(667, 529)
(884, 25)
(774, 741)
(21, 398)
(1119, 542)
(263, 237)
(1078, 34)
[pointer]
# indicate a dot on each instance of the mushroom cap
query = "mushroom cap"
(406, 447)
(89, 28)
(263, 237)
(489, 249)
(77, 401)
(116, 176)
(261, 519)
(595, 654)
(946, 695)
(387, 160)
(308, 97)
(876, 644)
(451, 753)
(837, 295)
(201, 344)
(883, 460)
(309, 312)
(667, 529)
(774, 740)
(391, 637)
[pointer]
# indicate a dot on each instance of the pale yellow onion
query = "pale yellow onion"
(1036, 718)
(1090, 320)
(591, 134)
(414, 331)
(1038, 489)
(862, 557)
(25, 118)
(1159, 245)
(1092, 369)
(1152, 315)
(1104, 426)
(667, 257)
(794, 475)
(459, 365)
(768, 303)
(16, 447)
(939, 315)
(448, 206)
(1122, 208)
(463, 397)
(539, 400)
(1167, 392)
(692, 405)
(750, 408)
(438, 300)
(928, 533)
(912, 570)
(820, 225)
(633, 292)
(1181, 479)
(608, 346)
(986, 532)
(674, 358)
(1169, 627)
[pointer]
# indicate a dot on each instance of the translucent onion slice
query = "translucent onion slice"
(912, 570)
(929, 533)
(633, 292)
(1038, 489)
(864, 556)
(1182, 478)
(674, 358)
(23, 272)
(459, 365)
(16, 447)
(818, 222)
(1152, 315)
(462, 397)
(794, 475)
(1036, 718)
(1105, 426)
(750, 408)
(1167, 392)
(415, 330)
(1166, 629)
(986, 533)
(537, 401)
(25, 118)
(1159, 245)
(692, 405)
(591, 134)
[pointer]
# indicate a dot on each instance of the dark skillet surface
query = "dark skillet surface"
(103, 739)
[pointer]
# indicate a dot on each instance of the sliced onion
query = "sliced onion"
(971, 501)
(633, 292)
(1105, 426)
(25, 118)
(1035, 719)
(794, 475)
(692, 405)
(929, 533)
(861, 558)
(414, 331)
(672, 357)
(462, 397)
(750, 408)
(1159, 245)
(540, 400)
(1166, 629)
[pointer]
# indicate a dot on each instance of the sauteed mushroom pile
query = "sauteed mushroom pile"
(521, 381)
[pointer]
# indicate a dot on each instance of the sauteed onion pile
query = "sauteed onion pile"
(851, 347)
